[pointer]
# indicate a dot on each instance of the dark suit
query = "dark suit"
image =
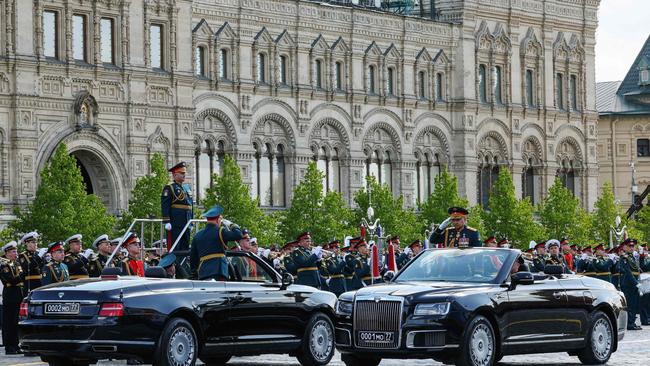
(32, 265)
(452, 238)
(176, 206)
(77, 265)
(208, 251)
(12, 276)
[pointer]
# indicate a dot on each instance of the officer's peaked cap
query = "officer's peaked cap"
(73, 237)
(100, 239)
(29, 235)
(167, 260)
(10, 245)
(213, 212)
(178, 166)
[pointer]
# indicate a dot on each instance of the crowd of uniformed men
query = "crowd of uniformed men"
(332, 266)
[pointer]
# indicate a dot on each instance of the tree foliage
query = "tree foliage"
(325, 216)
(394, 218)
(604, 215)
(145, 196)
(61, 206)
(508, 216)
(230, 192)
(562, 215)
(445, 195)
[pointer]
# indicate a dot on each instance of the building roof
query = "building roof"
(630, 85)
(606, 96)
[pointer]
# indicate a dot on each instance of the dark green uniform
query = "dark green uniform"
(557, 260)
(335, 267)
(176, 205)
(644, 306)
(55, 272)
(77, 265)
(12, 277)
(208, 252)
(363, 271)
(351, 282)
(402, 259)
(307, 267)
(452, 238)
(539, 262)
(289, 265)
(324, 274)
(603, 267)
(32, 264)
(629, 279)
(96, 266)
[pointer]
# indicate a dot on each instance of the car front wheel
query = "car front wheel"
(600, 341)
(479, 346)
(317, 347)
(177, 345)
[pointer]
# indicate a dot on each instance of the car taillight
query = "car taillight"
(24, 310)
(112, 309)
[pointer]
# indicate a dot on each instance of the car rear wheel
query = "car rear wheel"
(479, 346)
(177, 345)
(600, 341)
(353, 360)
(215, 361)
(317, 348)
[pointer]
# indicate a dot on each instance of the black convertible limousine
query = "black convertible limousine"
(173, 322)
(473, 306)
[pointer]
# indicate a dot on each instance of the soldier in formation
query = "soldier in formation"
(13, 280)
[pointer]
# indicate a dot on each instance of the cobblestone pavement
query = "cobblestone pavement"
(634, 350)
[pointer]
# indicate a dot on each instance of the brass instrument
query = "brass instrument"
(528, 256)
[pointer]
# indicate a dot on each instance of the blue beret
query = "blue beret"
(167, 260)
(213, 212)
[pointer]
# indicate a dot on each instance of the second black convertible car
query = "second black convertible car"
(473, 306)
(174, 322)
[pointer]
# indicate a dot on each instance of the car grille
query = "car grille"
(378, 316)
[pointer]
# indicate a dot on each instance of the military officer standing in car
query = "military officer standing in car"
(208, 250)
(458, 235)
(176, 205)
(77, 263)
(31, 261)
(12, 277)
(306, 261)
(55, 271)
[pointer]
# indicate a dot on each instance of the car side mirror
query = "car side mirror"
(522, 278)
(388, 276)
(553, 269)
(287, 279)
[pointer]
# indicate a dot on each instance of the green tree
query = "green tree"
(562, 215)
(476, 220)
(605, 211)
(508, 216)
(394, 218)
(445, 195)
(61, 206)
(325, 216)
(231, 193)
(145, 196)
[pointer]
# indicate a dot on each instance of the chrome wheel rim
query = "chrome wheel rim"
(181, 347)
(321, 341)
(601, 339)
(481, 345)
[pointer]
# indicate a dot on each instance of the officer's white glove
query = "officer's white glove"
(612, 256)
(444, 224)
(226, 222)
(41, 252)
(87, 253)
(276, 263)
(638, 286)
(636, 255)
(266, 253)
(407, 251)
(318, 251)
(168, 226)
(584, 256)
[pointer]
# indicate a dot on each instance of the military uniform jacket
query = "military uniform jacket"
(452, 238)
(604, 268)
(32, 266)
(289, 265)
(77, 265)
(307, 267)
(539, 262)
(351, 282)
(11, 274)
(133, 267)
(402, 259)
(176, 205)
(558, 261)
(335, 267)
(208, 251)
(629, 271)
(96, 266)
(55, 272)
(362, 270)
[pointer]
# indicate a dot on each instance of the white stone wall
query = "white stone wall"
(140, 111)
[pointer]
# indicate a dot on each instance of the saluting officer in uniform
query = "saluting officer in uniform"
(208, 250)
(104, 251)
(306, 261)
(31, 262)
(459, 235)
(133, 265)
(176, 205)
(12, 276)
(55, 271)
(77, 263)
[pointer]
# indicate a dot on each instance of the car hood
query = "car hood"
(413, 289)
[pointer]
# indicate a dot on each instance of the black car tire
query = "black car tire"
(317, 348)
(215, 361)
(600, 341)
(177, 344)
(353, 360)
(479, 346)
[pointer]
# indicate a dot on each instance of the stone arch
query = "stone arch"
(329, 106)
(442, 149)
(534, 126)
(316, 135)
(260, 129)
(389, 130)
(273, 101)
(498, 122)
(424, 116)
(535, 149)
(158, 142)
(223, 118)
(85, 109)
(571, 128)
(568, 148)
(216, 101)
(492, 144)
(388, 113)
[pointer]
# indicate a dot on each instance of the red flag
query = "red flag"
(375, 262)
(363, 232)
(392, 263)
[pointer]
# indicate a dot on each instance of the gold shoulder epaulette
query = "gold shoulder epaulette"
(470, 228)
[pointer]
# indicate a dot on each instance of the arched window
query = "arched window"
(427, 169)
(386, 171)
(422, 87)
(566, 173)
(255, 174)
(372, 165)
(482, 84)
(334, 172)
(559, 91)
(319, 74)
(278, 178)
(200, 61)
(283, 70)
(223, 64)
(338, 77)
(487, 176)
(528, 181)
(203, 157)
(320, 157)
(261, 68)
(391, 81)
(573, 92)
(265, 177)
(530, 101)
(498, 97)
(439, 87)
(371, 79)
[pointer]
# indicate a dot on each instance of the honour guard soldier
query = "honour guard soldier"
(323, 272)
(335, 267)
(362, 270)
(176, 206)
(132, 265)
(104, 251)
(31, 261)
(459, 235)
(77, 263)
(351, 282)
(585, 264)
(306, 261)
(12, 277)
(629, 277)
(603, 264)
(55, 271)
(540, 258)
(287, 258)
(208, 250)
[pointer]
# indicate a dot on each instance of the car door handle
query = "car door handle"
(558, 295)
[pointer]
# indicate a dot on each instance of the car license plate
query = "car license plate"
(67, 308)
(376, 337)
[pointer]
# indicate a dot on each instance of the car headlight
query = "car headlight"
(344, 307)
(439, 308)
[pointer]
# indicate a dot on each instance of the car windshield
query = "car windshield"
(455, 265)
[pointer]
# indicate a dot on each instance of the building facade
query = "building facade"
(624, 129)
(486, 85)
